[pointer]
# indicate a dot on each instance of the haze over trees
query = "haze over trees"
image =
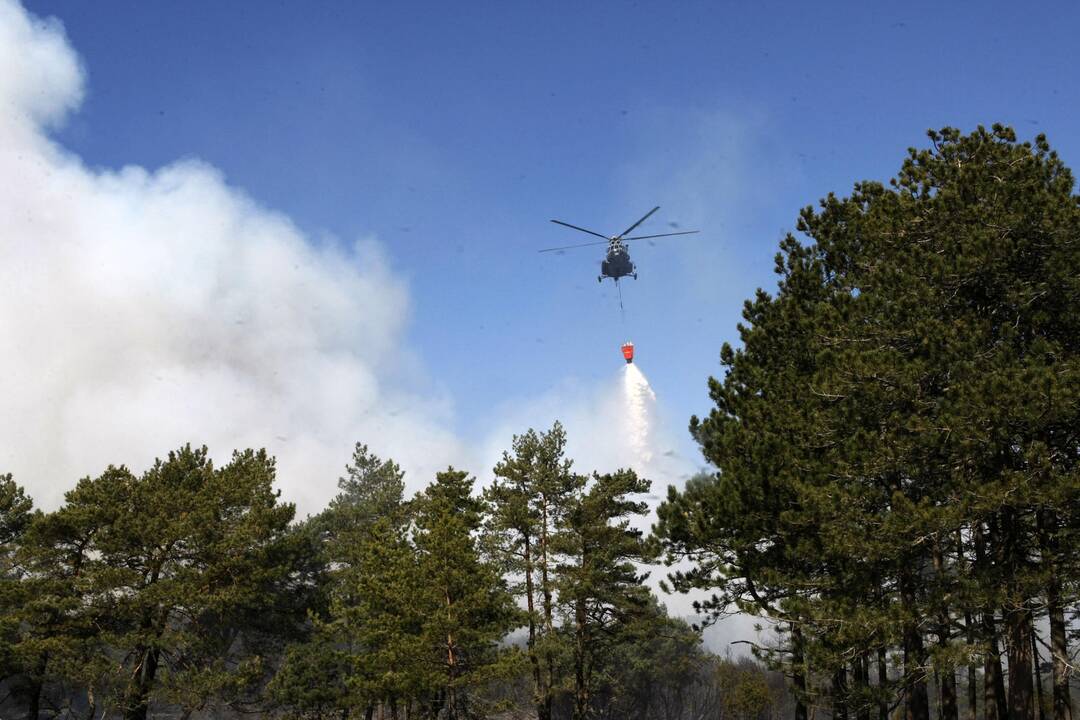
(894, 489)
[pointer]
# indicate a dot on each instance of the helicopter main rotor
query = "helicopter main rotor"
(615, 239)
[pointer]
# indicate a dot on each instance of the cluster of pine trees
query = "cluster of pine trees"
(898, 444)
(190, 590)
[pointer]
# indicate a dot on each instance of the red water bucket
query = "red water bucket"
(628, 351)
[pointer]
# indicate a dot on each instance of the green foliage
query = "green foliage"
(183, 565)
(16, 516)
(532, 494)
(901, 410)
(467, 608)
(600, 587)
(371, 489)
(363, 646)
(744, 690)
(649, 668)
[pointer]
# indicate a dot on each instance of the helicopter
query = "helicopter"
(616, 264)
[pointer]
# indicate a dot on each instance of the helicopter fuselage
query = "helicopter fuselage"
(617, 262)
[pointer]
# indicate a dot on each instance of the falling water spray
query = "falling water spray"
(639, 400)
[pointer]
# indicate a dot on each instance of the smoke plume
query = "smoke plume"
(142, 309)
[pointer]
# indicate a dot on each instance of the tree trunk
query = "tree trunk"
(138, 700)
(995, 704)
(1035, 663)
(1014, 553)
(798, 672)
(1056, 614)
(549, 626)
(882, 681)
(91, 702)
(840, 704)
(918, 701)
(36, 683)
(581, 689)
(1021, 695)
(994, 700)
(972, 673)
(862, 679)
(963, 566)
(540, 692)
(451, 673)
(947, 709)
(1060, 652)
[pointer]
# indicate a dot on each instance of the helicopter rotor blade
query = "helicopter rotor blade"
(560, 222)
(627, 230)
(644, 237)
(568, 247)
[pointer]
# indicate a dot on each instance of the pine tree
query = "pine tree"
(467, 607)
(599, 585)
(363, 650)
(531, 494)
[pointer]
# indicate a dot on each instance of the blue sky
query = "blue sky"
(452, 132)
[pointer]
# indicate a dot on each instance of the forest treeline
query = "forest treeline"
(190, 590)
(894, 491)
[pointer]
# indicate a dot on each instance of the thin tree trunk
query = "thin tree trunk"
(798, 672)
(972, 672)
(138, 702)
(918, 701)
(451, 673)
(947, 709)
(540, 692)
(994, 699)
(995, 703)
(581, 692)
(882, 681)
(862, 679)
(1059, 650)
(37, 682)
(963, 566)
(1017, 620)
(91, 702)
(1021, 695)
(1035, 663)
(840, 704)
(545, 581)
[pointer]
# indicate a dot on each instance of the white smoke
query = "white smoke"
(640, 404)
(142, 309)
